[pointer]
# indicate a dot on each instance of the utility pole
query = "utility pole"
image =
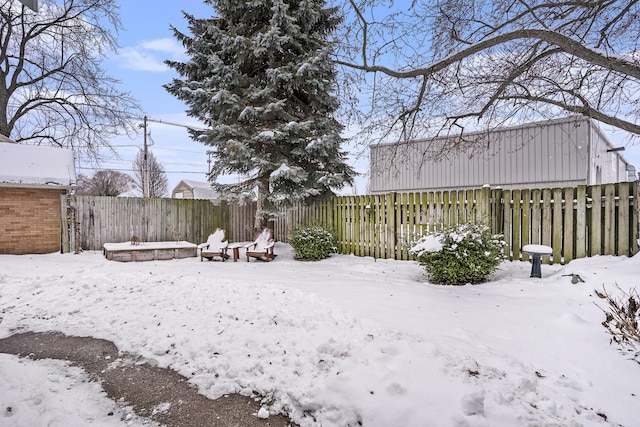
(145, 163)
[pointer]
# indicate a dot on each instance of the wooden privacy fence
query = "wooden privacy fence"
(95, 220)
(576, 221)
(384, 226)
(297, 213)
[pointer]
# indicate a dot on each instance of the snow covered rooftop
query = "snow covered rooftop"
(201, 190)
(30, 165)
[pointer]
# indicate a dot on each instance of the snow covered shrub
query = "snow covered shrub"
(460, 254)
(312, 242)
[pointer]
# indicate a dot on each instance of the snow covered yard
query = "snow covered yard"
(332, 343)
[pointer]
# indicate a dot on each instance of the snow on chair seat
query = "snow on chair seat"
(262, 246)
(215, 246)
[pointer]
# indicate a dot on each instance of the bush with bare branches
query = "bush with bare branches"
(622, 320)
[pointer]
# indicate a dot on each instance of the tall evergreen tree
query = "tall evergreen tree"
(261, 77)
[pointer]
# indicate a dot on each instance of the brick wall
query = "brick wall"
(29, 220)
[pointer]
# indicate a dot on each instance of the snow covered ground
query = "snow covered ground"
(332, 343)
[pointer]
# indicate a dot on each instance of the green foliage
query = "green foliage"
(260, 75)
(312, 242)
(461, 254)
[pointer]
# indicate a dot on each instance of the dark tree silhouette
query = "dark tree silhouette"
(158, 182)
(104, 183)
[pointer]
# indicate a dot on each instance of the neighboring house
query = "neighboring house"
(555, 153)
(32, 180)
(187, 189)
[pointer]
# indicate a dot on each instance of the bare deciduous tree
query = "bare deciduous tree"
(53, 89)
(435, 67)
(158, 182)
(104, 183)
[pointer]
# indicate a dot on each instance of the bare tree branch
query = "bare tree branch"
(429, 68)
(53, 88)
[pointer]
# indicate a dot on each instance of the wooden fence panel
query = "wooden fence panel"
(116, 219)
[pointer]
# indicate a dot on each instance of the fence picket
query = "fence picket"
(545, 236)
(595, 246)
(568, 225)
(556, 227)
(581, 221)
(609, 218)
(536, 216)
(525, 220)
(623, 220)
(507, 214)
(517, 224)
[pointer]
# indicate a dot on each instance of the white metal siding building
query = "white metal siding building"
(563, 152)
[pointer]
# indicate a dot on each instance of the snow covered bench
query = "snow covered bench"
(149, 251)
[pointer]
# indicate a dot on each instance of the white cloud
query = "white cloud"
(149, 55)
(167, 45)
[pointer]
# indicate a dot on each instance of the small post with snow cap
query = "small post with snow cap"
(537, 252)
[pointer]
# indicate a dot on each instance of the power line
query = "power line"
(133, 170)
(166, 122)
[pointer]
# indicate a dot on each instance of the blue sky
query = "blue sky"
(145, 43)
